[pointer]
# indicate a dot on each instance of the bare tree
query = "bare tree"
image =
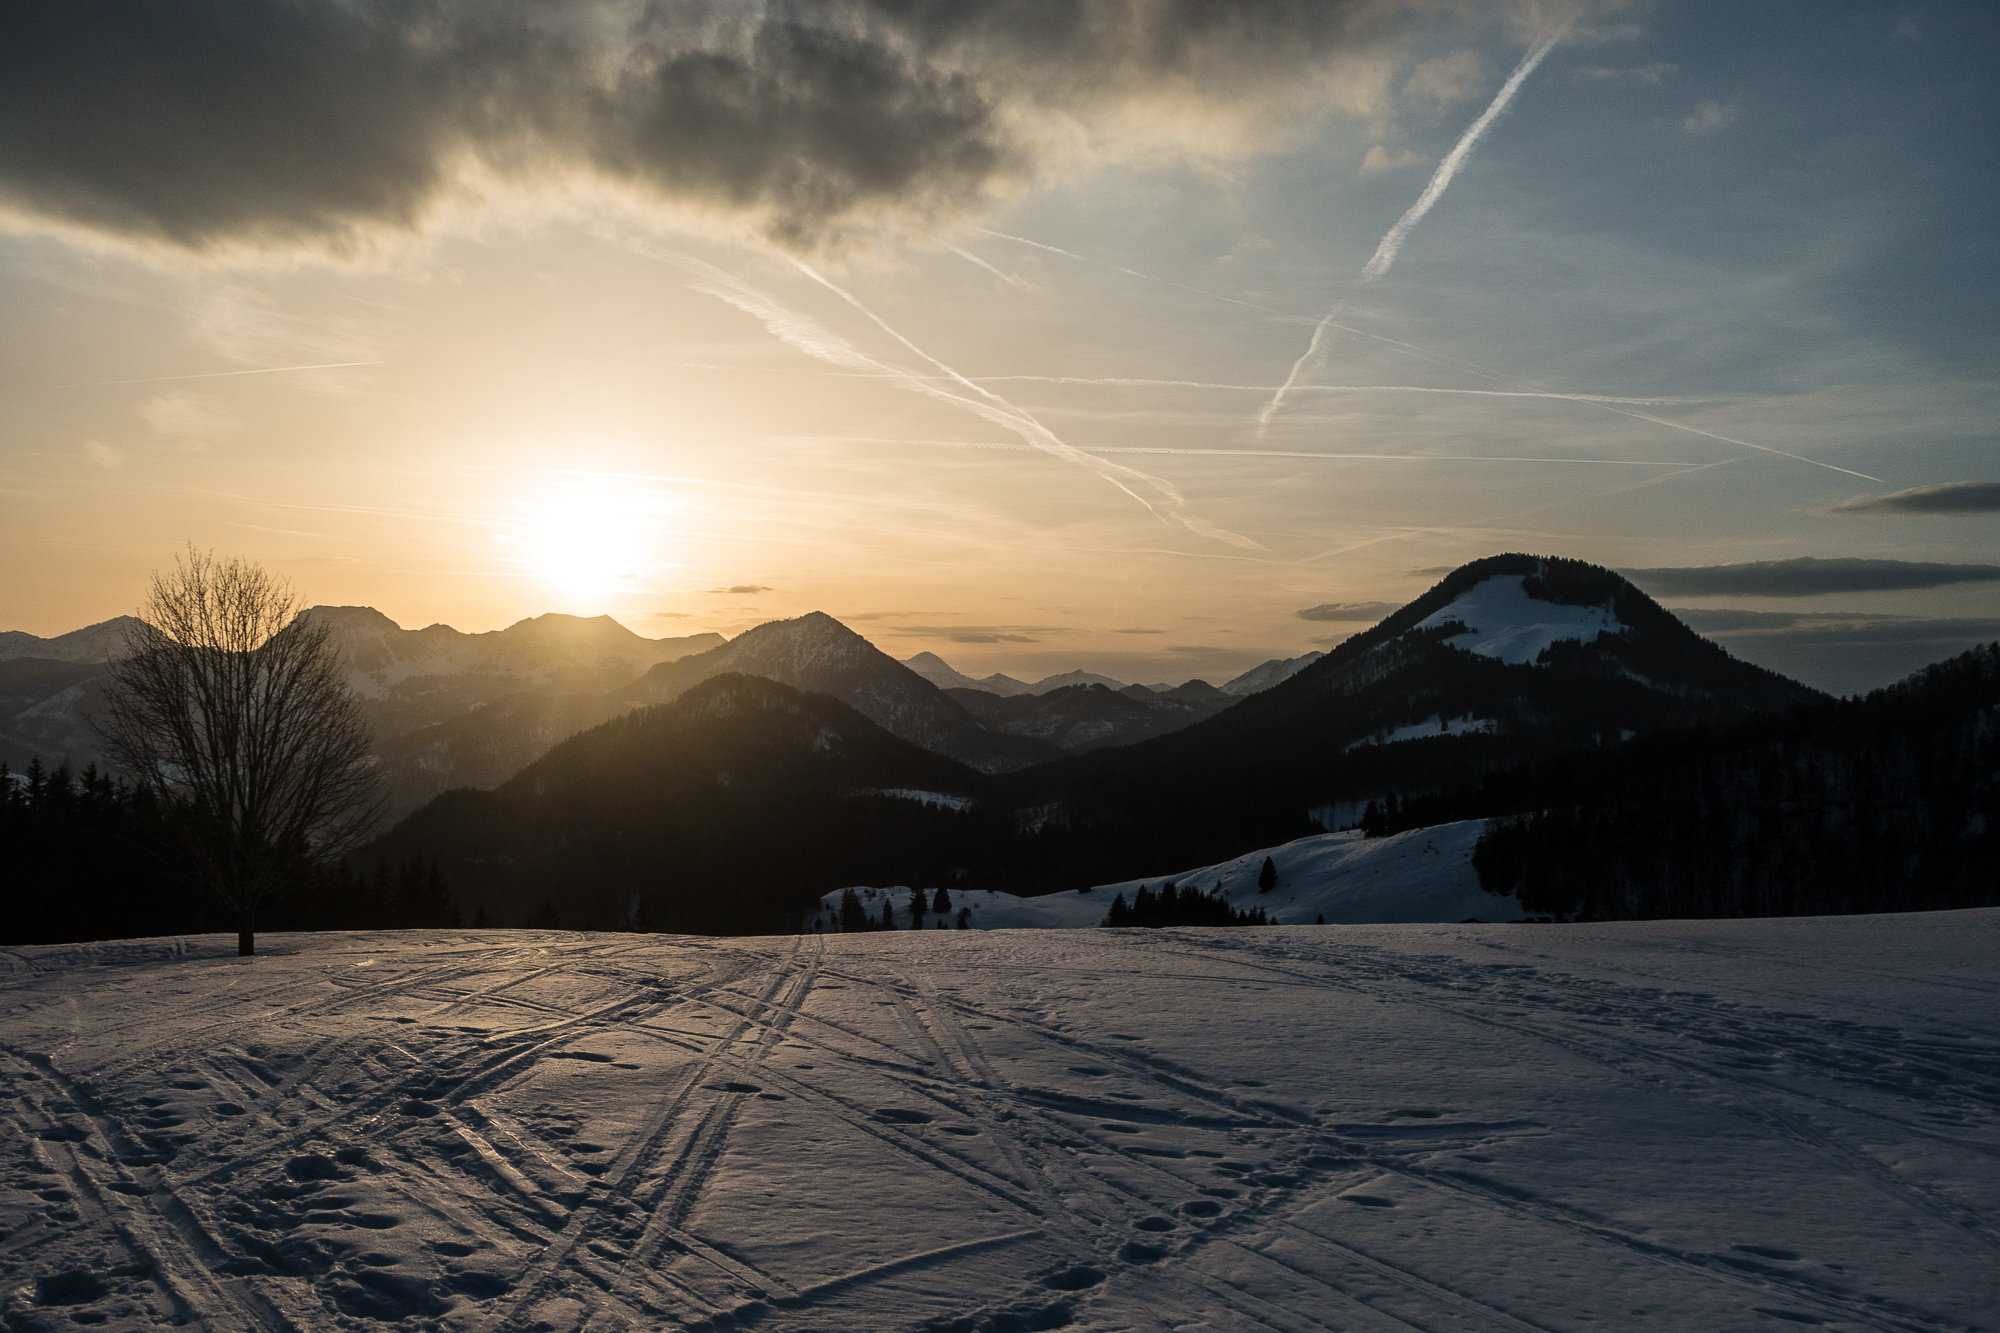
(230, 705)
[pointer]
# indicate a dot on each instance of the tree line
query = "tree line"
(1887, 803)
(91, 857)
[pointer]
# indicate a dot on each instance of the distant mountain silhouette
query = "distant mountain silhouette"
(1077, 718)
(728, 809)
(413, 678)
(812, 652)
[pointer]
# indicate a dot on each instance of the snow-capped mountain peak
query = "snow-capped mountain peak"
(1504, 621)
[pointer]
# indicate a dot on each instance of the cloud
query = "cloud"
(103, 455)
(1369, 611)
(744, 589)
(1836, 628)
(1805, 577)
(668, 615)
(191, 418)
(1447, 79)
(978, 633)
(1139, 631)
(1951, 497)
(1710, 117)
(1380, 159)
(214, 125)
(1651, 75)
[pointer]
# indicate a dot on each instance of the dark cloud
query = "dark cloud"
(1951, 497)
(1834, 629)
(977, 636)
(1348, 611)
(1804, 577)
(1840, 653)
(744, 589)
(1139, 631)
(206, 123)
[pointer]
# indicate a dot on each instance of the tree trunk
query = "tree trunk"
(246, 943)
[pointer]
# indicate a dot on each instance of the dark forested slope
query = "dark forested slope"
(1886, 803)
(726, 810)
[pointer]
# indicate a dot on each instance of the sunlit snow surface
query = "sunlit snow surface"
(1663, 1126)
(1504, 622)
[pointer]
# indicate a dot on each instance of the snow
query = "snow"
(990, 909)
(1434, 725)
(1418, 875)
(1507, 624)
(1651, 1127)
(943, 800)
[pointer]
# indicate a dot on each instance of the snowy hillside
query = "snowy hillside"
(1422, 875)
(1653, 1128)
(1503, 622)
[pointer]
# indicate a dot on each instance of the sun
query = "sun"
(589, 546)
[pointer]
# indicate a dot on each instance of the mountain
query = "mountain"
(728, 809)
(1270, 673)
(941, 674)
(1881, 804)
(485, 746)
(816, 652)
(93, 643)
(1506, 661)
(408, 679)
(1089, 717)
(50, 689)
(45, 710)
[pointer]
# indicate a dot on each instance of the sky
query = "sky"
(1150, 337)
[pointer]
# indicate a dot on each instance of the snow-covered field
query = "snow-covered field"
(1665, 1126)
(1422, 875)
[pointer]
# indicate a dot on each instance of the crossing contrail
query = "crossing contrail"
(1385, 253)
(1003, 413)
(1298, 368)
(971, 258)
(808, 335)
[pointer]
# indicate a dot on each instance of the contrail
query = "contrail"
(1119, 382)
(1003, 413)
(816, 340)
(1727, 439)
(1271, 453)
(1298, 366)
(971, 258)
(1145, 277)
(1385, 253)
(214, 375)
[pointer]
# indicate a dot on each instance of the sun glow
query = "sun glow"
(590, 545)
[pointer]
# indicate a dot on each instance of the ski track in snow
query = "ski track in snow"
(1667, 1125)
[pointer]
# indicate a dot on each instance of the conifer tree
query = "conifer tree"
(917, 906)
(888, 913)
(1267, 878)
(853, 916)
(940, 901)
